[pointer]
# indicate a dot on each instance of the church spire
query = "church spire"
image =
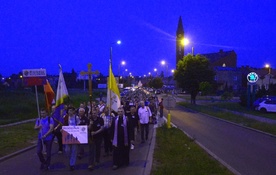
(179, 38)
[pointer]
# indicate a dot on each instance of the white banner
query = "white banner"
(75, 134)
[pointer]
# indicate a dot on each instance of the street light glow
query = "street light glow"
(123, 62)
(163, 62)
(267, 65)
(119, 42)
(185, 41)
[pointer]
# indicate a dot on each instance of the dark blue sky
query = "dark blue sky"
(42, 34)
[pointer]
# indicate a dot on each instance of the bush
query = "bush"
(227, 95)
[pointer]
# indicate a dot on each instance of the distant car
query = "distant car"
(157, 91)
(150, 90)
(259, 100)
(267, 105)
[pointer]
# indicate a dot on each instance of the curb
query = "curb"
(149, 161)
(16, 153)
(17, 123)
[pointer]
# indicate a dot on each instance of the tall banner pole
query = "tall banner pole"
(109, 80)
(37, 103)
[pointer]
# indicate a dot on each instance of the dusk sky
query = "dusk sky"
(42, 34)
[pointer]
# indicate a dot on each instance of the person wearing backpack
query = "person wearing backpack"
(45, 126)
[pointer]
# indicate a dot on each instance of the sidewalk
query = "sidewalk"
(140, 161)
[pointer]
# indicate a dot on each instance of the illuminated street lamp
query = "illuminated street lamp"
(110, 59)
(185, 42)
(120, 65)
(155, 70)
(165, 64)
(269, 73)
(268, 66)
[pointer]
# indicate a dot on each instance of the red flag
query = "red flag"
(49, 95)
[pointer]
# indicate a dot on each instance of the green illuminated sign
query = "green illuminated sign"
(252, 77)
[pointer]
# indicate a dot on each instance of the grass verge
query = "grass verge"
(177, 154)
(266, 127)
(17, 137)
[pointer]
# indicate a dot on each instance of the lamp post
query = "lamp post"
(165, 64)
(185, 41)
(110, 59)
(155, 70)
(269, 73)
(126, 71)
(110, 64)
(122, 63)
(119, 69)
(172, 71)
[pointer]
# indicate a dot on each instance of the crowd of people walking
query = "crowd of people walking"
(114, 131)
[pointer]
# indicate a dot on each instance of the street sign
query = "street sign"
(34, 77)
(34, 72)
(252, 77)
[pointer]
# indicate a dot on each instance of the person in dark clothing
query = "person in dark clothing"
(161, 107)
(57, 127)
(107, 130)
(133, 119)
(83, 121)
(153, 110)
(121, 136)
(96, 126)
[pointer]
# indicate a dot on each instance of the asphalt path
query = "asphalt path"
(27, 163)
(242, 150)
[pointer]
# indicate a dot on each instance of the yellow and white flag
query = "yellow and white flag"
(113, 93)
(62, 94)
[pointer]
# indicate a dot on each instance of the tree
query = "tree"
(205, 88)
(191, 71)
(156, 83)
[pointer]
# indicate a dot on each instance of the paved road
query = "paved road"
(27, 163)
(246, 151)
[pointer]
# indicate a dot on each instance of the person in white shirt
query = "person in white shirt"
(144, 114)
(101, 107)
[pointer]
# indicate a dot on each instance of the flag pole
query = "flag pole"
(37, 103)
(109, 80)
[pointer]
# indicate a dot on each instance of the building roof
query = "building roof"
(214, 57)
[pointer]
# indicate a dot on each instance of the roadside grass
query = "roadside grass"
(21, 105)
(265, 127)
(18, 105)
(177, 154)
(217, 102)
(237, 107)
(17, 137)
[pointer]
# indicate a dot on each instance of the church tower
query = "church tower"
(179, 41)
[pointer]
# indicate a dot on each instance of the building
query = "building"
(228, 79)
(266, 77)
(179, 41)
(222, 58)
